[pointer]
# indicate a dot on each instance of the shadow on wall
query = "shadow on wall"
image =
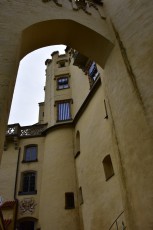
(54, 32)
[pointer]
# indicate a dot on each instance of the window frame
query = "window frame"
(57, 103)
(61, 64)
(93, 73)
(23, 181)
(69, 200)
(61, 78)
(108, 167)
(25, 152)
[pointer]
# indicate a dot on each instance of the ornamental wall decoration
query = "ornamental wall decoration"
(85, 5)
(27, 205)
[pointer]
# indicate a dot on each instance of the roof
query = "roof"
(8, 204)
(7, 222)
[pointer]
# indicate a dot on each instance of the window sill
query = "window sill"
(69, 207)
(61, 121)
(30, 161)
(63, 88)
(110, 177)
(27, 193)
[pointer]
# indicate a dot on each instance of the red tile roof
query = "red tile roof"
(2, 220)
(7, 222)
(8, 204)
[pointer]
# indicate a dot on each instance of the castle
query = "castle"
(93, 142)
(48, 165)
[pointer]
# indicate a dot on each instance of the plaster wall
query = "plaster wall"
(8, 172)
(58, 178)
(102, 201)
(80, 87)
(135, 30)
(128, 84)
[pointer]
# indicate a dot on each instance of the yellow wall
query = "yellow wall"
(8, 172)
(58, 178)
(102, 199)
(127, 77)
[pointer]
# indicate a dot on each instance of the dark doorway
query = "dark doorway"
(26, 225)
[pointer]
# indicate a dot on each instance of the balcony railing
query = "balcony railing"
(16, 130)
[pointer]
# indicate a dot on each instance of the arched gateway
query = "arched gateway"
(118, 36)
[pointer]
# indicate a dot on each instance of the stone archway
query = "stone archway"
(67, 32)
(129, 73)
(44, 24)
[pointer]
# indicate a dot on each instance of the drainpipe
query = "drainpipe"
(15, 187)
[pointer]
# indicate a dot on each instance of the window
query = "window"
(61, 64)
(77, 148)
(63, 110)
(30, 153)
(28, 183)
(69, 200)
(80, 196)
(93, 73)
(108, 167)
(62, 83)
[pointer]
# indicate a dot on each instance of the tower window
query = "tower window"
(61, 64)
(93, 71)
(62, 83)
(28, 183)
(69, 200)
(30, 153)
(108, 167)
(63, 111)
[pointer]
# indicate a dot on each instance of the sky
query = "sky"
(29, 89)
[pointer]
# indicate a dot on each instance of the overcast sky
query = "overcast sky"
(29, 86)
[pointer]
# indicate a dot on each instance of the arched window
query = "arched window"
(30, 153)
(28, 183)
(108, 167)
(77, 147)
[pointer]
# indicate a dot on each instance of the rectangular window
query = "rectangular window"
(30, 153)
(61, 64)
(28, 183)
(69, 200)
(62, 83)
(63, 111)
(93, 71)
(80, 196)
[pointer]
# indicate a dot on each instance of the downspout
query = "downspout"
(15, 187)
